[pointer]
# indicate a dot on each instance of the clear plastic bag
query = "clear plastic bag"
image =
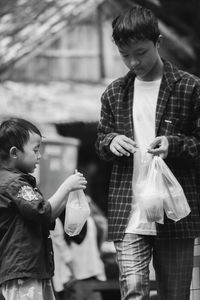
(175, 204)
(157, 190)
(149, 190)
(76, 213)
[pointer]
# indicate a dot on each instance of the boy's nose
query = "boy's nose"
(133, 63)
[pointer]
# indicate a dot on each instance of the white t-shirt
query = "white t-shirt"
(62, 257)
(86, 260)
(144, 112)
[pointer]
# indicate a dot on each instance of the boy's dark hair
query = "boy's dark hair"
(137, 23)
(15, 132)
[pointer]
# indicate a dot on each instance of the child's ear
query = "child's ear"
(159, 41)
(13, 152)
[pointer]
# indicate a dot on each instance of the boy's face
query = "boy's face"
(27, 160)
(142, 58)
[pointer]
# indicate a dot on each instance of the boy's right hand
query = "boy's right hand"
(76, 182)
(122, 145)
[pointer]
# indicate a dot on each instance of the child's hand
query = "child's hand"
(76, 182)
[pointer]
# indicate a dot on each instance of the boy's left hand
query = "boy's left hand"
(159, 147)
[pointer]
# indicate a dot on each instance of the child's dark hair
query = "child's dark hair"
(137, 23)
(15, 132)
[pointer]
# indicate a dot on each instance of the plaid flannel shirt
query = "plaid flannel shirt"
(177, 118)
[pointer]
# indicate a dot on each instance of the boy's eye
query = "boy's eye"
(141, 53)
(124, 55)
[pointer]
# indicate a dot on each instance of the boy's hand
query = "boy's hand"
(76, 182)
(159, 146)
(122, 145)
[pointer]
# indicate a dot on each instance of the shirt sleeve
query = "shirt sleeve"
(29, 202)
(188, 146)
(105, 130)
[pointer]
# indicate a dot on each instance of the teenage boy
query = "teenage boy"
(155, 108)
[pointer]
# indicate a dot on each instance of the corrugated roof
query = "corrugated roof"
(55, 102)
(28, 25)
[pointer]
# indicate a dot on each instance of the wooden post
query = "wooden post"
(100, 44)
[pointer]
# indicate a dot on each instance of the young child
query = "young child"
(26, 255)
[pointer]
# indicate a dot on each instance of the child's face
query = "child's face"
(142, 58)
(27, 160)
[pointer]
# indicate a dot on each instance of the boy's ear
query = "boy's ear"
(13, 152)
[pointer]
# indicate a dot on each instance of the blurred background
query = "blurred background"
(56, 59)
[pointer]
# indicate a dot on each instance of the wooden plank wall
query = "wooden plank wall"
(83, 52)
